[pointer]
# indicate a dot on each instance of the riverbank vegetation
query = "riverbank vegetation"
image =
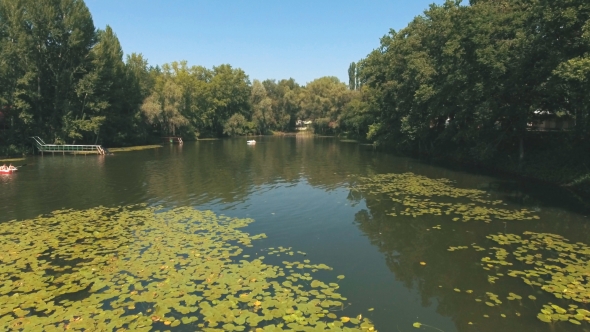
(476, 83)
(66, 81)
(479, 83)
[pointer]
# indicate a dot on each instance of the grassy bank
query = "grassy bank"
(135, 148)
(11, 160)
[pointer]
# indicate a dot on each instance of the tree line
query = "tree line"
(470, 80)
(223, 102)
(67, 81)
(461, 79)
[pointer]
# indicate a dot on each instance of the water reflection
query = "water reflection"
(7, 181)
(298, 191)
(405, 242)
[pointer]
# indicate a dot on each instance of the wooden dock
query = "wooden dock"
(67, 148)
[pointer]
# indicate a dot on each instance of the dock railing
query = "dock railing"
(66, 148)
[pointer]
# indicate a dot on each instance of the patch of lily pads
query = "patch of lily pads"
(544, 261)
(414, 196)
(140, 268)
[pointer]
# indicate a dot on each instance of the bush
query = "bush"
(235, 125)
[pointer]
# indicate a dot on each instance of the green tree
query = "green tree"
(45, 55)
(352, 78)
(262, 108)
(453, 79)
(322, 101)
(229, 93)
(236, 125)
(163, 107)
(560, 53)
(285, 100)
(356, 117)
(139, 74)
(103, 93)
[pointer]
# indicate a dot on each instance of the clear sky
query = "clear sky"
(276, 39)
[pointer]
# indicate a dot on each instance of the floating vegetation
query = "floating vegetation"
(494, 298)
(549, 262)
(413, 193)
(457, 248)
(288, 251)
(420, 325)
(11, 160)
(477, 248)
(135, 148)
(139, 269)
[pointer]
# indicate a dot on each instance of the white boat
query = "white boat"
(252, 142)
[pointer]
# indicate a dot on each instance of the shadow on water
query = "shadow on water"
(454, 280)
(518, 189)
(298, 191)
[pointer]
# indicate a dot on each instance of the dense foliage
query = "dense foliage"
(66, 81)
(61, 78)
(470, 80)
(467, 81)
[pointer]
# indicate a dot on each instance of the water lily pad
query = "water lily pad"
(413, 193)
(544, 318)
(131, 267)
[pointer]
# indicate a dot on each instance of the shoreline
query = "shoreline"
(577, 183)
(134, 148)
(577, 186)
(10, 160)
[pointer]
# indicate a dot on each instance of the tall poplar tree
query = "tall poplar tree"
(352, 78)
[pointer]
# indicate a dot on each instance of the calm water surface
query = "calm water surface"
(298, 191)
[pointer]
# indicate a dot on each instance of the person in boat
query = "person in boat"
(12, 168)
(3, 168)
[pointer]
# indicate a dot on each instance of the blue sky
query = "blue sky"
(267, 39)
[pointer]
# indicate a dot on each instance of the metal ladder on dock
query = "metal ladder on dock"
(66, 148)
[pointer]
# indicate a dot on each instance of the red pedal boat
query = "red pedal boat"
(7, 169)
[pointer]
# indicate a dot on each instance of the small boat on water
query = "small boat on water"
(7, 169)
(252, 142)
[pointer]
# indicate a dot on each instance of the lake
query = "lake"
(412, 249)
